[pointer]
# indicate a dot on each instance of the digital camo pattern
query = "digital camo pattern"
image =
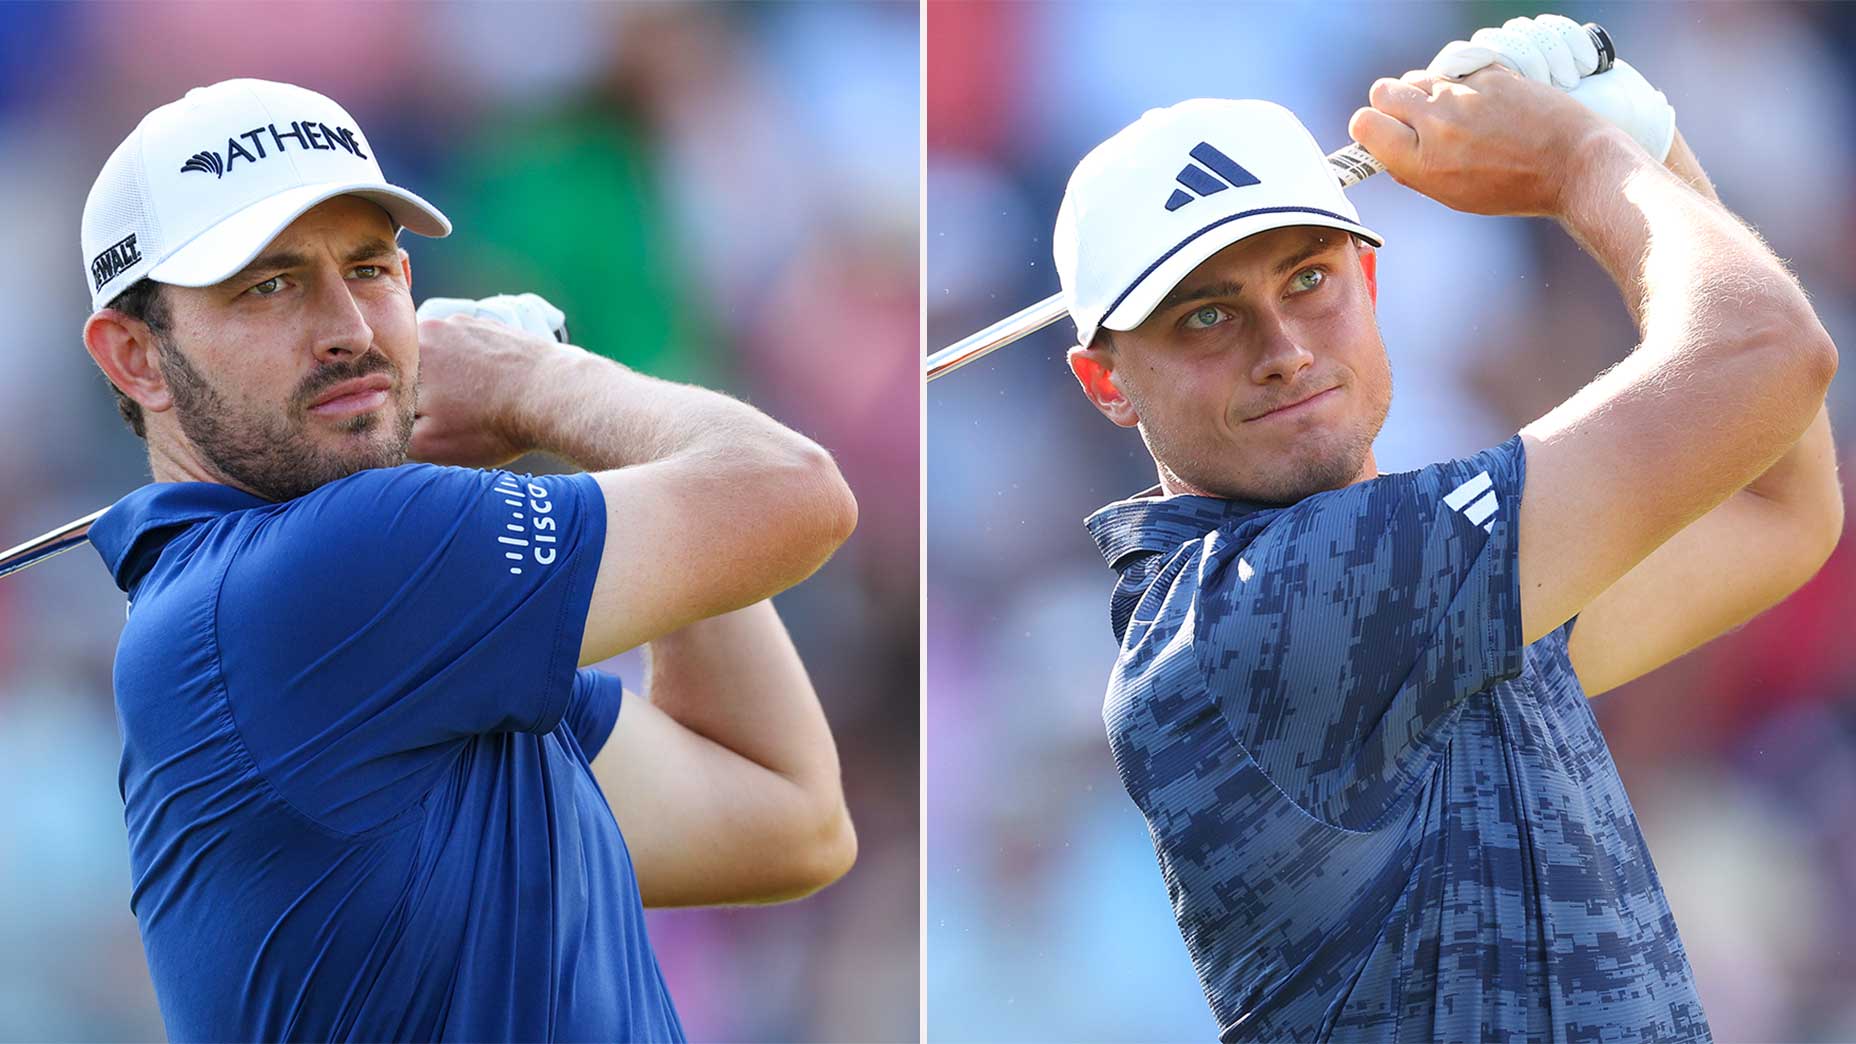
(1378, 815)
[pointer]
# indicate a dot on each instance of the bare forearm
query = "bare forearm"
(1804, 480)
(747, 506)
(737, 680)
(1726, 332)
(601, 415)
(1682, 163)
(726, 780)
(1699, 281)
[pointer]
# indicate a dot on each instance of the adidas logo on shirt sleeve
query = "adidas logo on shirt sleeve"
(1476, 501)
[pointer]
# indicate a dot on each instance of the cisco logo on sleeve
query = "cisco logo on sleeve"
(531, 534)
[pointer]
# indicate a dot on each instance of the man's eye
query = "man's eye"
(367, 271)
(268, 287)
(1308, 278)
(1205, 317)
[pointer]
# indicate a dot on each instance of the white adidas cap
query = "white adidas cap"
(204, 183)
(1176, 186)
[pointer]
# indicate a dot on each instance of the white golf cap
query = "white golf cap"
(1176, 186)
(204, 183)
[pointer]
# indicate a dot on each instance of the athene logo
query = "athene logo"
(308, 134)
(206, 163)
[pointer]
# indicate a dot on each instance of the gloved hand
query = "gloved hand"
(1556, 50)
(530, 313)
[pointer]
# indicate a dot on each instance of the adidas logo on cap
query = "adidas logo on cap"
(1195, 177)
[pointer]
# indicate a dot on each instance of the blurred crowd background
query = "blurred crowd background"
(725, 194)
(1047, 919)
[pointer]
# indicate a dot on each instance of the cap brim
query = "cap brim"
(219, 252)
(1138, 301)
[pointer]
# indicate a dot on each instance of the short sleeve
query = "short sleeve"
(1340, 641)
(593, 709)
(401, 609)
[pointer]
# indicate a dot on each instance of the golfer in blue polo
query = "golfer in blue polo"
(372, 790)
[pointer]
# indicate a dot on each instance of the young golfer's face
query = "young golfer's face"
(303, 368)
(1261, 376)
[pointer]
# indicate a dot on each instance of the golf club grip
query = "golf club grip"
(1351, 164)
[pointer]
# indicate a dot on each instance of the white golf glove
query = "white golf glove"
(1556, 50)
(530, 313)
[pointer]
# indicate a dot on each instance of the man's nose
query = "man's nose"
(342, 329)
(1281, 357)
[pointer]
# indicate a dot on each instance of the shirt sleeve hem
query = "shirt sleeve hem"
(1506, 638)
(599, 728)
(570, 626)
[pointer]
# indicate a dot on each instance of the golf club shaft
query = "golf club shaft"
(1351, 163)
(38, 549)
(1013, 327)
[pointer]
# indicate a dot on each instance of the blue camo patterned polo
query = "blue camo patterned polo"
(1379, 815)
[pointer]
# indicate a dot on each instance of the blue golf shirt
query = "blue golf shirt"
(355, 768)
(1379, 815)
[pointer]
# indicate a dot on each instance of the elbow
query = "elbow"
(1795, 360)
(829, 507)
(834, 851)
(1799, 333)
(817, 856)
(1820, 357)
(831, 850)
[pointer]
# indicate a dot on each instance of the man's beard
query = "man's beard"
(275, 455)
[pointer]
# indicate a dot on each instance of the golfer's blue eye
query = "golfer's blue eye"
(1307, 279)
(1208, 316)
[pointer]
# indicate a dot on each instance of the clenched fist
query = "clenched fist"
(1490, 143)
(475, 376)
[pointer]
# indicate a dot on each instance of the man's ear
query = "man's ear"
(124, 349)
(1369, 265)
(1094, 370)
(406, 267)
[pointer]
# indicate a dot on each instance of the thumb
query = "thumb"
(1389, 140)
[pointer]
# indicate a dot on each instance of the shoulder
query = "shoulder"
(352, 536)
(1474, 486)
(385, 507)
(384, 492)
(354, 521)
(1353, 524)
(1353, 551)
(360, 535)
